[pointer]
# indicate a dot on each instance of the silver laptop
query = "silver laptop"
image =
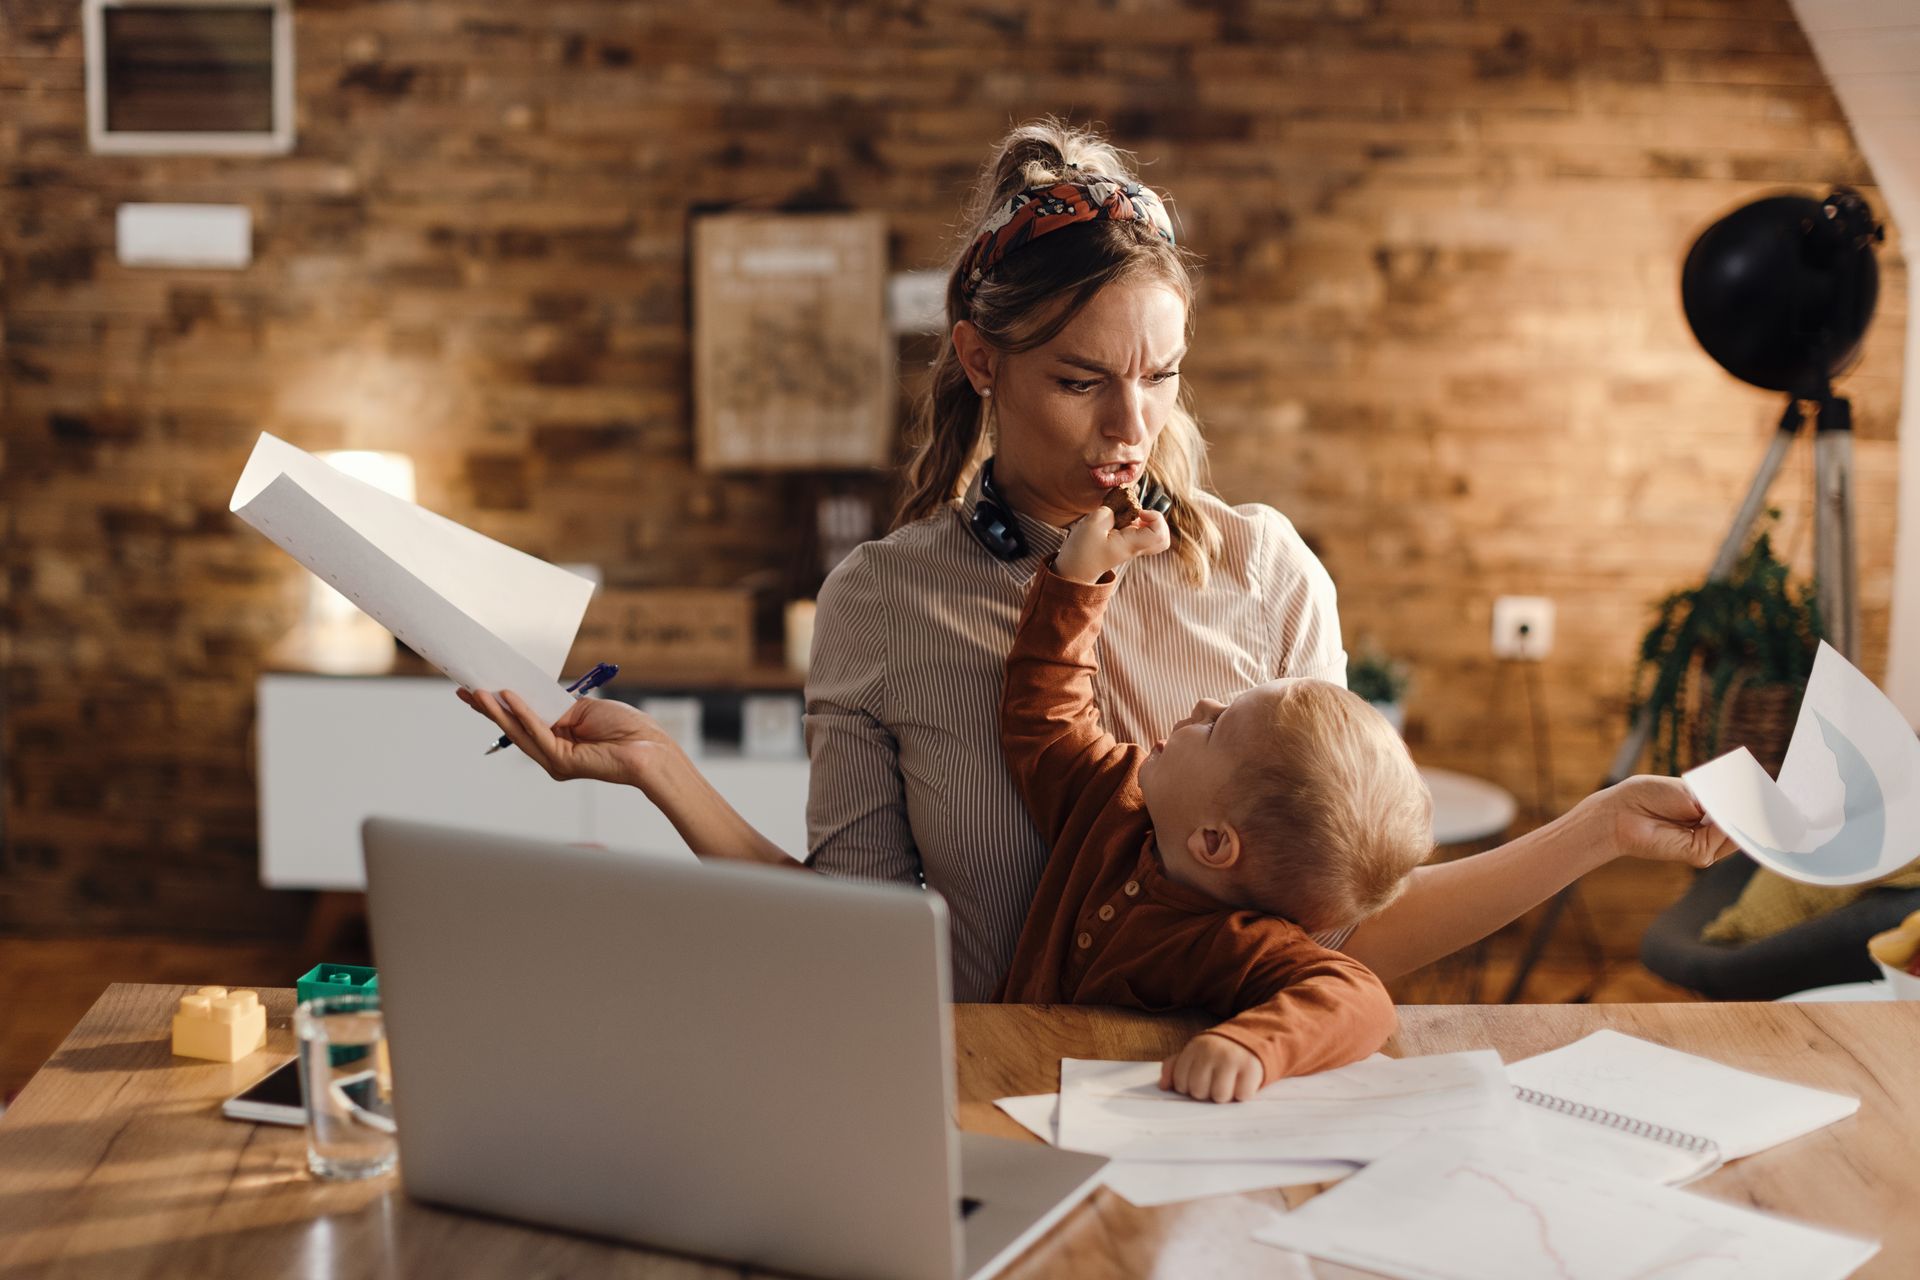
(741, 1062)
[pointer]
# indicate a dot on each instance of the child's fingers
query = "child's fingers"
(1097, 523)
(1251, 1074)
(1142, 541)
(1200, 1079)
(1183, 1072)
(1166, 1073)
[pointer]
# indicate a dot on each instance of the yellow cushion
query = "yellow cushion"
(1772, 904)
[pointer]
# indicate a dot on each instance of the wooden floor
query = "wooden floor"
(49, 982)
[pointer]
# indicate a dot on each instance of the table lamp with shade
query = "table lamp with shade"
(334, 636)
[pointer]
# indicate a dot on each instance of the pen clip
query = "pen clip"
(601, 673)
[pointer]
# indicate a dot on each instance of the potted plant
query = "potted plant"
(1383, 682)
(1728, 660)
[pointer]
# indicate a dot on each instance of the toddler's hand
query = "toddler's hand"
(1094, 546)
(1212, 1069)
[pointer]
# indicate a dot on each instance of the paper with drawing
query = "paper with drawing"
(1847, 806)
(1445, 1207)
(1118, 1109)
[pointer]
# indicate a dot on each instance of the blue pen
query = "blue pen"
(601, 673)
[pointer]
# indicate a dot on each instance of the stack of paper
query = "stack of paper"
(1625, 1103)
(1154, 1182)
(1168, 1147)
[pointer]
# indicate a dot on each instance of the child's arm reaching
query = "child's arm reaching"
(1049, 729)
(1320, 1009)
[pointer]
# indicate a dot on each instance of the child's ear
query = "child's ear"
(1216, 847)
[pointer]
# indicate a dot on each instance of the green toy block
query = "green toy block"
(337, 980)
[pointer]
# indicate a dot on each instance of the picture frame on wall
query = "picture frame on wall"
(189, 77)
(793, 355)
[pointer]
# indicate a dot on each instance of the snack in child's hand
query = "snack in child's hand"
(1124, 501)
(1898, 947)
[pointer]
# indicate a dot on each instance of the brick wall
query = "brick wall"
(1440, 330)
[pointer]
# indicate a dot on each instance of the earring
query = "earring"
(986, 393)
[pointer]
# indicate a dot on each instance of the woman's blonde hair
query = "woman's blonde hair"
(1016, 308)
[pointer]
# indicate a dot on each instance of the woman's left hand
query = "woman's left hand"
(1658, 818)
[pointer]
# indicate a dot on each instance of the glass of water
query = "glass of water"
(348, 1084)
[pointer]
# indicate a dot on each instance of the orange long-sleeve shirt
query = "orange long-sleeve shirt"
(1108, 925)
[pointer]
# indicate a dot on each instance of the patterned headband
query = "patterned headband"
(1034, 212)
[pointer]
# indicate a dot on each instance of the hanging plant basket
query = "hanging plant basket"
(1725, 663)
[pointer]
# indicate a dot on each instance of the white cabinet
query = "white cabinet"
(334, 750)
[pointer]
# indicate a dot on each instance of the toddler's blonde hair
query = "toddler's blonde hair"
(1332, 814)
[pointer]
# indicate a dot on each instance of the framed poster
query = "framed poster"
(793, 362)
(205, 77)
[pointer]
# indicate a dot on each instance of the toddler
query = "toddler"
(1190, 874)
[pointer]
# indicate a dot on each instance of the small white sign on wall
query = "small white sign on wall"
(184, 235)
(917, 301)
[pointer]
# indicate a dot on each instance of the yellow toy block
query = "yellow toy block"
(222, 1025)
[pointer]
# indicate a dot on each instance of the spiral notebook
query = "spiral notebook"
(1618, 1102)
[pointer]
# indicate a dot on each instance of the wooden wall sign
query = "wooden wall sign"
(793, 361)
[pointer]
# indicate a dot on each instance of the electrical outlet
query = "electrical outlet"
(1522, 627)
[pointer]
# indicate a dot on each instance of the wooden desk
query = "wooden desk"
(115, 1161)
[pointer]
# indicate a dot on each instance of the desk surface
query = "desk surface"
(115, 1160)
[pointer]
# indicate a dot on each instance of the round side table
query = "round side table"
(1467, 813)
(1467, 809)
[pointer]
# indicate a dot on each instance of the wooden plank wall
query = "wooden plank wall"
(1440, 330)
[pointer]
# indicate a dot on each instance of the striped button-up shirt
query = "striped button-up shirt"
(903, 697)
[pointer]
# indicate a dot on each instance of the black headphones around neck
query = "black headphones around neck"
(995, 527)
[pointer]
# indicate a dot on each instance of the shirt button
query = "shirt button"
(1086, 940)
(1106, 912)
(1131, 888)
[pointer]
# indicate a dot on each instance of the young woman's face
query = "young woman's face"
(1080, 414)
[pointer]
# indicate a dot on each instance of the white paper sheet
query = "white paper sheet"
(488, 616)
(1360, 1112)
(1743, 1113)
(1444, 1207)
(1847, 806)
(1148, 1183)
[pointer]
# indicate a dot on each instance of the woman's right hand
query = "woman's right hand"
(596, 738)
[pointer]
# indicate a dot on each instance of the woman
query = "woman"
(1070, 309)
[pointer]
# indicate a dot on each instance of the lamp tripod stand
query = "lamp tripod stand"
(1834, 588)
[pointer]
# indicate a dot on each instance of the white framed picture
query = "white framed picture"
(189, 77)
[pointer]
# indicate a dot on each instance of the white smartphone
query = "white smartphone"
(273, 1099)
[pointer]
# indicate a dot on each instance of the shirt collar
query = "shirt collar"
(1042, 539)
(1163, 888)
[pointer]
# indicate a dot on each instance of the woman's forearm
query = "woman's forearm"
(711, 827)
(1448, 905)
